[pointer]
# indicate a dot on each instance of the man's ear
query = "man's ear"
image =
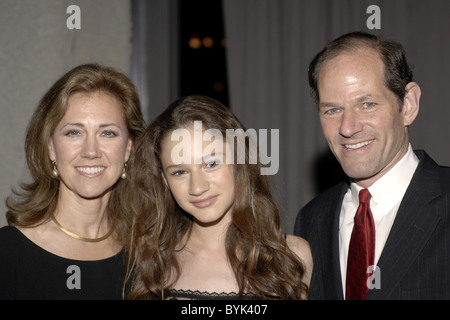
(411, 103)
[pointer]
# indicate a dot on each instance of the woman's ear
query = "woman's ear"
(51, 150)
(128, 149)
(411, 103)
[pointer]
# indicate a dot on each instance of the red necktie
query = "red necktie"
(361, 251)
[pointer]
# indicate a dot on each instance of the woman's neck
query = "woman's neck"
(84, 217)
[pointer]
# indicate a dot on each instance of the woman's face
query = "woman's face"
(203, 187)
(90, 145)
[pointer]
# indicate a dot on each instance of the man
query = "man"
(391, 240)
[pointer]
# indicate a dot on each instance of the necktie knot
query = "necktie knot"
(364, 196)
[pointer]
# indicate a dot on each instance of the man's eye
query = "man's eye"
(331, 111)
(369, 104)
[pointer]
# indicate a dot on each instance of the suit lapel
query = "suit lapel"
(329, 242)
(416, 219)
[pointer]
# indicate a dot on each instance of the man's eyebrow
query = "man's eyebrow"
(329, 105)
(337, 105)
(364, 98)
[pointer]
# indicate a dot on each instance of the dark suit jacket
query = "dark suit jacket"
(415, 262)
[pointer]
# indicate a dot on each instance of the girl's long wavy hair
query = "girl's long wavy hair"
(33, 202)
(256, 248)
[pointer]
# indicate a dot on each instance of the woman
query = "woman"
(205, 227)
(68, 226)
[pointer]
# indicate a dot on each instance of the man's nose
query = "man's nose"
(350, 123)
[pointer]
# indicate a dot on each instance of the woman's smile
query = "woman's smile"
(91, 171)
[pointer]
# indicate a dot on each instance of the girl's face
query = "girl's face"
(202, 187)
(90, 145)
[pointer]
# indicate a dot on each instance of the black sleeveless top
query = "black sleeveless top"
(27, 271)
(197, 295)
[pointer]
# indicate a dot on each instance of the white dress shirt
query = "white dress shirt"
(387, 193)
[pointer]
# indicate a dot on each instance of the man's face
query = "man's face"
(360, 116)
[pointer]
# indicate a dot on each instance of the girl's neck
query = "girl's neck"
(206, 238)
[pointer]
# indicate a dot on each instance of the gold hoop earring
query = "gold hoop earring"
(55, 169)
(124, 171)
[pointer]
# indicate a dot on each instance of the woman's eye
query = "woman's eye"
(72, 133)
(109, 134)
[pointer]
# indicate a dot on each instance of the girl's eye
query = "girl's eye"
(212, 164)
(178, 173)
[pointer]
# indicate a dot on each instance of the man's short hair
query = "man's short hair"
(397, 71)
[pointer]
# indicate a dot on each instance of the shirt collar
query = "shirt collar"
(389, 189)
